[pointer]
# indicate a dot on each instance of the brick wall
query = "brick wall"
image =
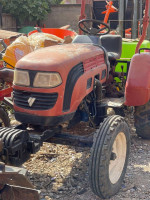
(60, 15)
(65, 14)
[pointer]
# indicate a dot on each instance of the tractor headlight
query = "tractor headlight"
(45, 80)
(21, 77)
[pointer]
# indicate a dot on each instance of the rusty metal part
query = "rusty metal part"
(10, 192)
(15, 179)
(15, 186)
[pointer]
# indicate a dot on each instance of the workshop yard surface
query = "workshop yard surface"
(61, 172)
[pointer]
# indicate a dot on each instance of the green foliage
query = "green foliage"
(55, 2)
(32, 10)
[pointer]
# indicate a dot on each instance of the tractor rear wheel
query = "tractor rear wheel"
(109, 156)
(142, 120)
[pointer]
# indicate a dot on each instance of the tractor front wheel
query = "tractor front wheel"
(142, 120)
(109, 157)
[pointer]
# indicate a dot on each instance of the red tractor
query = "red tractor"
(69, 84)
(73, 83)
(6, 79)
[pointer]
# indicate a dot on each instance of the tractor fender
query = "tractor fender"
(137, 91)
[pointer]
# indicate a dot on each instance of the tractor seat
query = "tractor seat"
(113, 45)
(90, 39)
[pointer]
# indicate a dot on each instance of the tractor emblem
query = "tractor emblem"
(31, 100)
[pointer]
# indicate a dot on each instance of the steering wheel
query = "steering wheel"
(94, 31)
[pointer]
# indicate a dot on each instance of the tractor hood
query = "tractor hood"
(77, 64)
(59, 57)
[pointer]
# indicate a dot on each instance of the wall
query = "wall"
(59, 16)
(65, 14)
(76, 1)
(0, 15)
(8, 22)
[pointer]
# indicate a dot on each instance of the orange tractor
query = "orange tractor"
(74, 82)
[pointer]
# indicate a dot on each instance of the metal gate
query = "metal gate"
(99, 6)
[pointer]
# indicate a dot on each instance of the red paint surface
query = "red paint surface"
(5, 93)
(61, 59)
(82, 14)
(137, 90)
(56, 31)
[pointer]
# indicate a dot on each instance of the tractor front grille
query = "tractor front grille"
(34, 100)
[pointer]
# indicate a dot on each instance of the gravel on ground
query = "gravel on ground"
(61, 171)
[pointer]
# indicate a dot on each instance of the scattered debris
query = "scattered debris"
(61, 172)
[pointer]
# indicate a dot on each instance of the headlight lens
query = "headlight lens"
(21, 77)
(52, 79)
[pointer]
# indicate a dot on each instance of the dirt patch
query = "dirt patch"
(61, 171)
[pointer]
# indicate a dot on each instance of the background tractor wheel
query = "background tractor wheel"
(4, 119)
(109, 156)
(142, 120)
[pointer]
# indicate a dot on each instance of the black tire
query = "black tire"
(102, 157)
(142, 121)
(4, 119)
